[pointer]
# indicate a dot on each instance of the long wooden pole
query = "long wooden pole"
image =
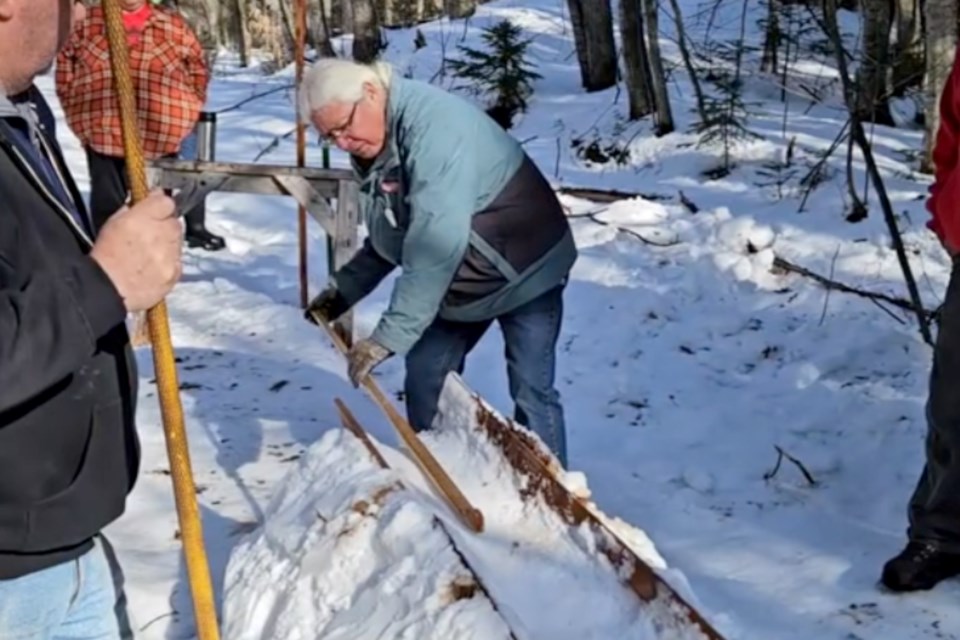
(300, 18)
(163, 360)
(470, 515)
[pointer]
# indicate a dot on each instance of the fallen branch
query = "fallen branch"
(608, 195)
(781, 454)
(828, 283)
(688, 203)
(592, 215)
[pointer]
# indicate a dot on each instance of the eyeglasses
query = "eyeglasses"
(332, 135)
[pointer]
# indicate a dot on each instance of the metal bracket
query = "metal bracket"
(312, 188)
(307, 197)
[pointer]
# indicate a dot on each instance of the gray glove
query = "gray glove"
(363, 357)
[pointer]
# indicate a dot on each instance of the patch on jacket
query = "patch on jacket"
(390, 185)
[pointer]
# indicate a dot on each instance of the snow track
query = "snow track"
(350, 549)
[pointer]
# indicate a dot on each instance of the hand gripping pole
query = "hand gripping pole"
(163, 360)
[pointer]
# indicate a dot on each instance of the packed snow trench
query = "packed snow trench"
(375, 554)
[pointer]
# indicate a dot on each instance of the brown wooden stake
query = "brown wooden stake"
(426, 460)
(353, 425)
(300, 10)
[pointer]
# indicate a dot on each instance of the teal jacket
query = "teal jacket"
(454, 201)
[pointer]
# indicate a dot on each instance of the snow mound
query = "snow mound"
(347, 552)
(352, 550)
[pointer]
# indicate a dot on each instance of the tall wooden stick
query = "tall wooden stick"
(300, 11)
(163, 360)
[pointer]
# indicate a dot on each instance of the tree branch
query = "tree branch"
(592, 215)
(856, 130)
(781, 454)
(830, 284)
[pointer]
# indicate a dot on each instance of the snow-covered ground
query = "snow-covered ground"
(682, 367)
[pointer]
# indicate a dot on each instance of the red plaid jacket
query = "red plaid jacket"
(169, 74)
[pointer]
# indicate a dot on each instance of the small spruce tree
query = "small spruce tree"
(502, 73)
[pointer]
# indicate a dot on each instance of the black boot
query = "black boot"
(919, 567)
(197, 234)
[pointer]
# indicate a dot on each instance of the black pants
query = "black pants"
(109, 188)
(935, 505)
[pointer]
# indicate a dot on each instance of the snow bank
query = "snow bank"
(347, 552)
(350, 550)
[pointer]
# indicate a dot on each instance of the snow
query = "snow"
(365, 557)
(684, 362)
(362, 558)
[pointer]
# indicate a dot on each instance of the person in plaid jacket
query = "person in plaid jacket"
(170, 74)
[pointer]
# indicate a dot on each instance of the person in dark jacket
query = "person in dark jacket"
(68, 448)
(452, 199)
(932, 553)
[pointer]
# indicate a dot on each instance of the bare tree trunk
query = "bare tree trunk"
(908, 54)
(243, 31)
(288, 29)
(872, 90)
(457, 9)
(203, 16)
(228, 30)
(941, 39)
(366, 31)
(688, 61)
(593, 34)
(319, 34)
(386, 13)
(771, 40)
(637, 70)
(657, 76)
(346, 16)
(832, 28)
(404, 12)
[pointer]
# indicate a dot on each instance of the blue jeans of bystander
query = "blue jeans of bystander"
(77, 600)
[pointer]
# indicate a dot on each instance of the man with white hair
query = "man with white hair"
(478, 233)
(68, 445)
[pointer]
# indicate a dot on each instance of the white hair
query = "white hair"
(331, 80)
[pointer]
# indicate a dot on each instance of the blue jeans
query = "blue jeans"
(530, 335)
(77, 600)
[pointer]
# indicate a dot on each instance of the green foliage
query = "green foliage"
(726, 112)
(501, 72)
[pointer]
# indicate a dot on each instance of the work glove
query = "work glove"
(363, 357)
(329, 305)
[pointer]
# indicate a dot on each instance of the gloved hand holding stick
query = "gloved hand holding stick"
(427, 462)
